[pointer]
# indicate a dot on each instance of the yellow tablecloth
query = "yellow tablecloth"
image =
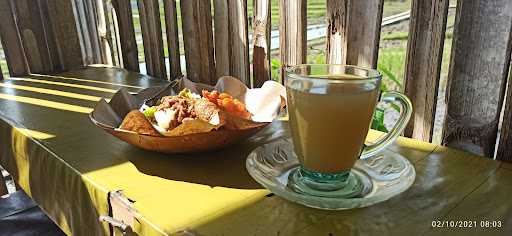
(69, 166)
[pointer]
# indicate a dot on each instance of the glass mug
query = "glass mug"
(330, 110)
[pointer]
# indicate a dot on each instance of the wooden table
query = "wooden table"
(69, 166)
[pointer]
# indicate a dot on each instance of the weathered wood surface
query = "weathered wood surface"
(504, 151)
(292, 32)
(337, 17)
(261, 42)
(49, 31)
(116, 43)
(231, 39)
(65, 34)
(363, 28)
(110, 32)
(127, 34)
(87, 23)
(101, 29)
(198, 40)
(221, 25)
(152, 38)
(3, 186)
(30, 25)
(173, 45)
(239, 41)
(478, 70)
(11, 41)
(423, 64)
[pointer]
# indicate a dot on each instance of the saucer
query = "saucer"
(383, 176)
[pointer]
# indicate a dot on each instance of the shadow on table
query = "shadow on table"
(224, 168)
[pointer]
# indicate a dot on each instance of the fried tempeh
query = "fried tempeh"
(135, 121)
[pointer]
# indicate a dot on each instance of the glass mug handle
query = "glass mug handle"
(391, 136)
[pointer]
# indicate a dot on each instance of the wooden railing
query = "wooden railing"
(215, 41)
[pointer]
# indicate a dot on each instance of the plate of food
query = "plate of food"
(185, 116)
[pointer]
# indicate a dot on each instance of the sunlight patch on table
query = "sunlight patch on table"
(415, 144)
(46, 103)
(65, 84)
(192, 210)
(51, 92)
(35, 134)
(88, 80)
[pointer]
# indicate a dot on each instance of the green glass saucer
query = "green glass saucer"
(377, 179)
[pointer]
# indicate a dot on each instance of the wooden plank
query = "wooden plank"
(173, 45)
(116, 43)
(110, 34)
(30, 26)
(94, 20)
(363, 39)
(221, 25)
(261, 43)
(127, 34)
(423, 64)
(337, 16)
(231, 35)
(198, 40)
(50, 36)
(3, 186)
(11, 41)
(239, 41)
(88, 33)
(104, 46)
(504, 151)
(478, 69)
(152, 38)
(65, 32)
(292, 32)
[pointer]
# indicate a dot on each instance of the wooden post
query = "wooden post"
(30, 26)
(173, 45)
(261, 42)
(292, 32)
(110, 33)
(423, 64)
(65, 33)
(363, 29)
(337, 16)
(505, 144)
(129, 50)
(231, 38)
(221, 25)
(3, 186)
(11, 41)
(49, 31)
(478, 69)
(117, 45)
(152, 38)
(88, 31)
(101, 28)
(198, 40)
